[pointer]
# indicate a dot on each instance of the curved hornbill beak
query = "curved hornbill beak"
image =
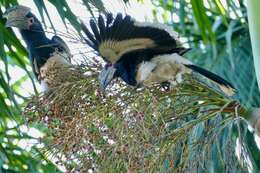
(16, 17)
(19, 23)
(106, 76)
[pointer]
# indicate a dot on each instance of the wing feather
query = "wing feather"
(95, 30)
(102, 27)
(109, 19)
(115, 28)
(90, 40)
(124, 35)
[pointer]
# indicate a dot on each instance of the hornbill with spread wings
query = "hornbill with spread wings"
(142, 53)
(50, 58)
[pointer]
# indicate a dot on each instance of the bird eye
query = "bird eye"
(31, 20)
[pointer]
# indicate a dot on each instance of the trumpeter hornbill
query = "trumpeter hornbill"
(142, 53)
(50, 58)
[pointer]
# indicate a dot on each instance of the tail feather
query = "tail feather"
(224, 85)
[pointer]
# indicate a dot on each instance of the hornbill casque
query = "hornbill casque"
(50, 58)
(142, 53)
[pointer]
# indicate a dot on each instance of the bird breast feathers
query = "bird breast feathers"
(170, 58)
(144, 70)
(53, 72)
(57, 61)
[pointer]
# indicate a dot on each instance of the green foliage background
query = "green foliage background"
(219, 37)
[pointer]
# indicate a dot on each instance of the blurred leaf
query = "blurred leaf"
(202, 20)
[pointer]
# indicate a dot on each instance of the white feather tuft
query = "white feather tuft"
(169, 67)
(144, 70)
(171, 58)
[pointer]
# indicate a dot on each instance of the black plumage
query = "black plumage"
(142, 53)
(50, 58)
(125, 29)
(95, 31)
(210, 75)
(91, 41)
(102, 28)
(110, 19)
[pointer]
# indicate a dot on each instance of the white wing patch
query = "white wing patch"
(163, 68)
(171, 58)
(144, 70)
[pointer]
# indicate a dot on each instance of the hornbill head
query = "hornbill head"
(21, 17)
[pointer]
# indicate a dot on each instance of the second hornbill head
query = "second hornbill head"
(21, 17)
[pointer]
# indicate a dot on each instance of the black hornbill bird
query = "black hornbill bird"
(50, 58)
(142, 53)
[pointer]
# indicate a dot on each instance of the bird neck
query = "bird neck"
(35, 39)
(38, 45)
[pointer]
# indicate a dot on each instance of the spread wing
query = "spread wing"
(62, 46)
(114, 38)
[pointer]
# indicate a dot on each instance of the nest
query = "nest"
(136, 130)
